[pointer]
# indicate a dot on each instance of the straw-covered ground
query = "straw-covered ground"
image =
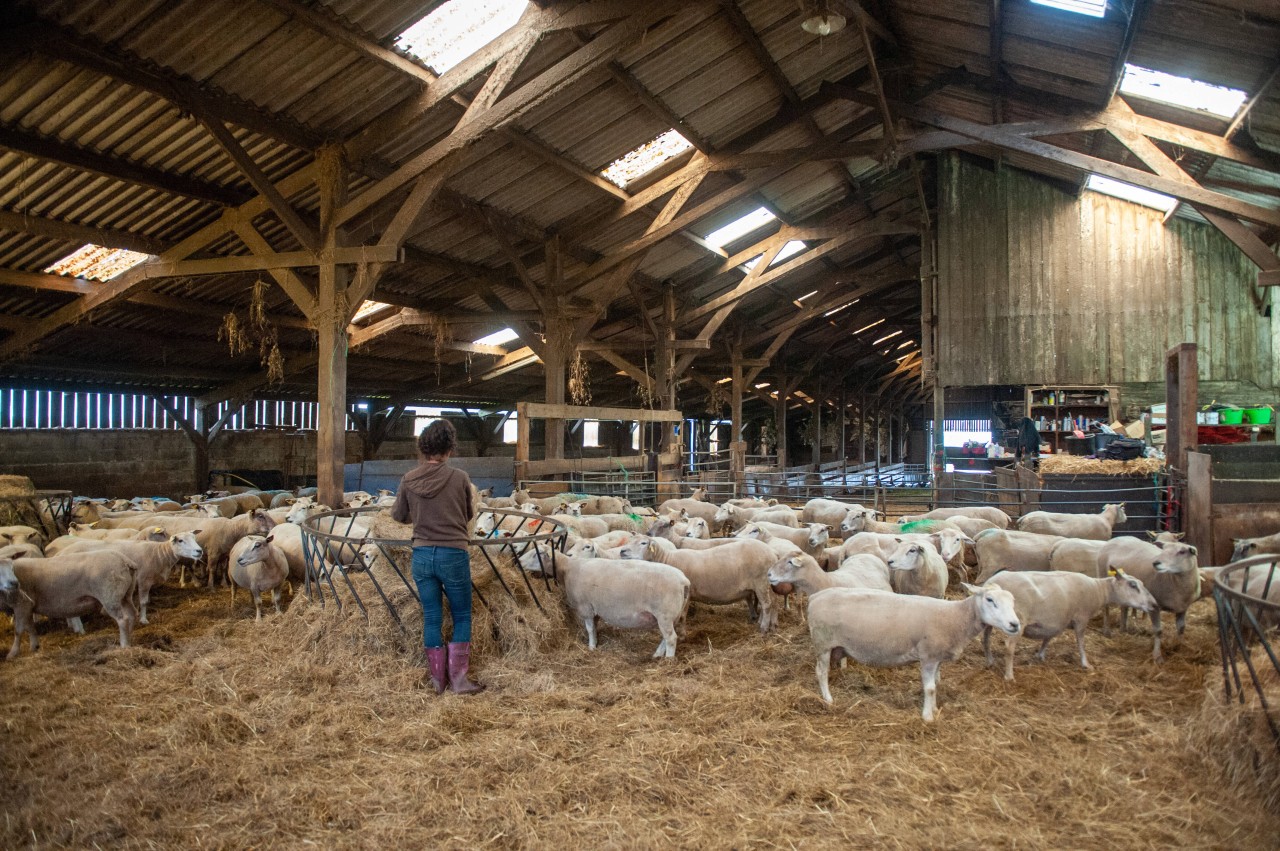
(311, 729)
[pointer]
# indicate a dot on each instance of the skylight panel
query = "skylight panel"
(458, 29)
(833, 311)
(645, 158)
(1129, 192)
(1181, 91)
(97, 263)
(739, 228)
(497, 338)
(1092, 8)
(368, 308)
(793, 247)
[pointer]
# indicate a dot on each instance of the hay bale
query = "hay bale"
(1236, 739)
(16, 487)
(1079, 464)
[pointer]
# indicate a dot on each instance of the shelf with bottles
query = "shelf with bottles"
(1058, 411)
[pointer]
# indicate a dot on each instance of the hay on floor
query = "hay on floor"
(311, 728)
(1084, 465)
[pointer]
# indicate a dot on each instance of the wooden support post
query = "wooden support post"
(844, 439)
(862, 429)
(667, 365)
(555, 359)
(780, 421)
(1182, 387)
(331, 318)
(815, 445)
(879, 443)
(737, 445)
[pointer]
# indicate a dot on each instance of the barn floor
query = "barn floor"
(309, 729)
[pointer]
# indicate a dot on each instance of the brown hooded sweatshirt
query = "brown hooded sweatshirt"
(436, 498)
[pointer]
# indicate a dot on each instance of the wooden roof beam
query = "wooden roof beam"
(57, 229)
(83, 159)
(192, 97)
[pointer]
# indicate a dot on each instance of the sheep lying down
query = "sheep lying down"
(1050, 603)
(887, 630)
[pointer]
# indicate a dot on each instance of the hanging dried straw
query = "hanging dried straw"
(579, 381)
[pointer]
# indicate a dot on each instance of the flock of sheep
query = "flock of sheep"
(116, 551)
(876, 595)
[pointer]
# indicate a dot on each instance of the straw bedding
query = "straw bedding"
(1082, 465)
(311, 728)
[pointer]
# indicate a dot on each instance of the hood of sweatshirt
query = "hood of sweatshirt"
(427, 479)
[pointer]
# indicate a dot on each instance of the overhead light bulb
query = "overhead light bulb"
(823, 24)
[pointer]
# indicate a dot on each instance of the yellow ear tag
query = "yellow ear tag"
(1112, 572)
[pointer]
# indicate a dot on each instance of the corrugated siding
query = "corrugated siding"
(1038, 287)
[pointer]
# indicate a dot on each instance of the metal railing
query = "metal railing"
(46, 510)
(340, 551)
(1246, 617)
(638, 487)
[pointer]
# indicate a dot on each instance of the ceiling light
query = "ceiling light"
(497, 338)
(906, 343)
(819, 18)
(1129, 192)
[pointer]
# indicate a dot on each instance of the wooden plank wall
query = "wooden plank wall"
(1036, 286)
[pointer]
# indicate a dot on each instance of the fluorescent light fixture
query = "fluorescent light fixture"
(888, 336)
(738, 228)
(367, 309)
(795, 246)
(645, 158)
(762, 385)
(1092, 8)
(867, 327)
(97, 262)
(497, 338)
(1181, 91)
(1129, 192)
(833, 311)
(458, 29)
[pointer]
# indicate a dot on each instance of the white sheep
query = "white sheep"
(258, 566)
(72, 586)
(735, 517)
(1050, 603)
(865, 521)
(829, 512)
(721, 575)
(20, 535)
(918, 569)
(801, 572)
(1000, 549)
(1168, 570)
(624, 594)
(692, 507)
(1097, 527)
(1249, 547)
(887, 630)
(811, 538)
(154, 560)
(990, 513)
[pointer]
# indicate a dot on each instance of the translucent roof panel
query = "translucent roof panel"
(645, 158)
(97, 263)
(1181, 91)
(793, 247)
(497, 338)
(738, 228)
(1092, 8)
(368, 308)
(1129, 192)
(458, 29)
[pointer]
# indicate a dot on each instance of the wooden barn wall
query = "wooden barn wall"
(1036, 286)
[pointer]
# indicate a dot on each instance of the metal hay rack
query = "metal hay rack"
(1246, 618)
(337, 548)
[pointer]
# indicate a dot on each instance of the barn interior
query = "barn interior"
(795, 243)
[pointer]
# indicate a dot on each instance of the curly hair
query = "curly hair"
(437, 439)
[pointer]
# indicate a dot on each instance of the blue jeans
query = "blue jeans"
(446, 569)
